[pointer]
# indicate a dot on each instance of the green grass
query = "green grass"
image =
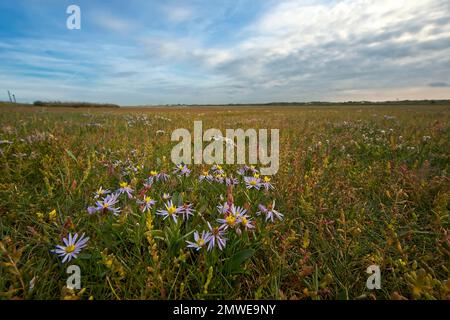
(357, 186)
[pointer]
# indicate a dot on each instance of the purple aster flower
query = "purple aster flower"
(266, 183)
(125, 188)
(217, 170)
(245, 221)
(224, 208)
(186, 210)
(92, 210)
(252, 182)
(162, 176)
(169, 211)
(231, 181)
(199, 240)
(270, 212)
(216, 237)
(219, 178)
(101, 192)
(243, 170)
(182, 170)
(146, 204)
(72, 247)
(232, 218)
(108, 203)
(205, 176)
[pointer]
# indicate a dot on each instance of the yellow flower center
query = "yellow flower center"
(244, 221)
(253, 182)
(70, 248)
(105, 205)
(201, 242)
(266, 179)
(123, 184)
(256, 175)
(205, 173)
(148, 199)
(219, 167)
(171, 210)
(231, 220)
(153, 173)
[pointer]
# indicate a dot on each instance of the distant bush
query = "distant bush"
(73, 104)
(39, 103)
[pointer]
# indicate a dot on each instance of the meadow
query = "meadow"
(357, 186)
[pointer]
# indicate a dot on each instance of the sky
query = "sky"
(144, 52)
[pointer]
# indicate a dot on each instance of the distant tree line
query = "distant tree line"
(74, 104)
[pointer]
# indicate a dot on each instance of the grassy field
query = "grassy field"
(357, 185)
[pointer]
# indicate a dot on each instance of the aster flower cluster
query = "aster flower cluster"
(226, 222)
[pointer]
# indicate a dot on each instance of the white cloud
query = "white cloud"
(177, 14)
(112, 23)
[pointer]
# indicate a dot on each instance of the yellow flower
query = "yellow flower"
(153, 173)
(266, 179)
(52, 215)
(40, 215)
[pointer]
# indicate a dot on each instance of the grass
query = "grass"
(358, 185)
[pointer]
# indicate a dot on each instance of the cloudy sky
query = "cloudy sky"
(211, 51)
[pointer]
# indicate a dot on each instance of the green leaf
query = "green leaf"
(71, 155)
(237, 259)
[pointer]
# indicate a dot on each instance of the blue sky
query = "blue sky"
(140, 52)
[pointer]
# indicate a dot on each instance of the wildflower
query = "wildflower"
(146, 204)
(40, 215)
(252, 183)
(52, 215)
(125, 188)
(270, 212)
(92, 210)
(233, 217)
(219, 178)
(245, 221)
(253, 169)
(107, 204)
(200, 240)
(266, 183)
(243, 170)
(101, 192)
(230, 221)
(205, 176)
(157, 176)
(182, 170)
(216, 236)
(72, 247)
(170, 211)
(224, 209)
(162, 176)
(186, 210)
(231, 181)
(217, 169)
